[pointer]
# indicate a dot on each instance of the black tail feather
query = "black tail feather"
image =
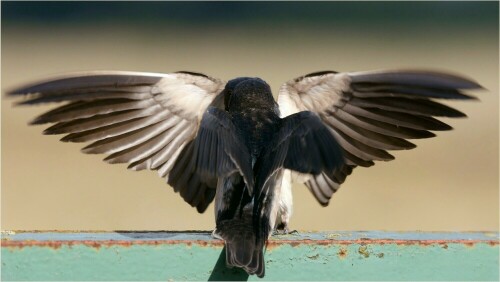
(244, 247)
(246, 253)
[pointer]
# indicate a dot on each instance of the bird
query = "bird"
(231, 143)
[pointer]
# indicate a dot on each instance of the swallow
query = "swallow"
(231, 142)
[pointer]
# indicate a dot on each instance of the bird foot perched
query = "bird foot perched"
(284, 231)
(232, 142)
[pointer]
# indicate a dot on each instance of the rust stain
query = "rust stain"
(108, 243)
(342, 253)
(270, 247)
(295, 243)
(468, 244)
(219, 243)
(364, 241)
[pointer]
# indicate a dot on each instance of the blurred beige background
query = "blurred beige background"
(446, 183)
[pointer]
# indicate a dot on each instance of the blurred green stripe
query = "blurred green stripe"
(408, 14)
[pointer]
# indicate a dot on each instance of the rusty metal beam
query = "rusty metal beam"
(126, 255)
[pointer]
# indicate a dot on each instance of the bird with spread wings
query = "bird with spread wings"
(212, 139)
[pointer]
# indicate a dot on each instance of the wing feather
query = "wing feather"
(143, 150)
(299, 133)
(367, 137)
(89, 80)
(383, 127)
(82, 109)
(218, 151)
(163, 119)
(79, 125)
(166, 156)
(398, 119)
(144, 119)
(372, 112)
(415, 78)
(409, 106)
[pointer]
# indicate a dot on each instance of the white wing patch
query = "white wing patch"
(185, 97)
(313, 93)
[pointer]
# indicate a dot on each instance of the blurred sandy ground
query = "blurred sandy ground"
(447, 183)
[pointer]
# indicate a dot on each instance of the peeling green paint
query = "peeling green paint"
(285, 260)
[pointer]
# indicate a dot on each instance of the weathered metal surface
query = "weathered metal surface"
(197, 256)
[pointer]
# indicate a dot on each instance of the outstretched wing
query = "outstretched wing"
(144, 119)
(373, 112)
(302, 144)
(217, 151)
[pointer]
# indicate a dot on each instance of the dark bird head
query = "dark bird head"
(248, 92)
(228, 90)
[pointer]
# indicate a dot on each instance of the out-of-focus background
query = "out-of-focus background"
(447, 183)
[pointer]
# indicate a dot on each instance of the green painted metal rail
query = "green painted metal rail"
(176, 256)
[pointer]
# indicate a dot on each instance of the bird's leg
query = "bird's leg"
(285, 205)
